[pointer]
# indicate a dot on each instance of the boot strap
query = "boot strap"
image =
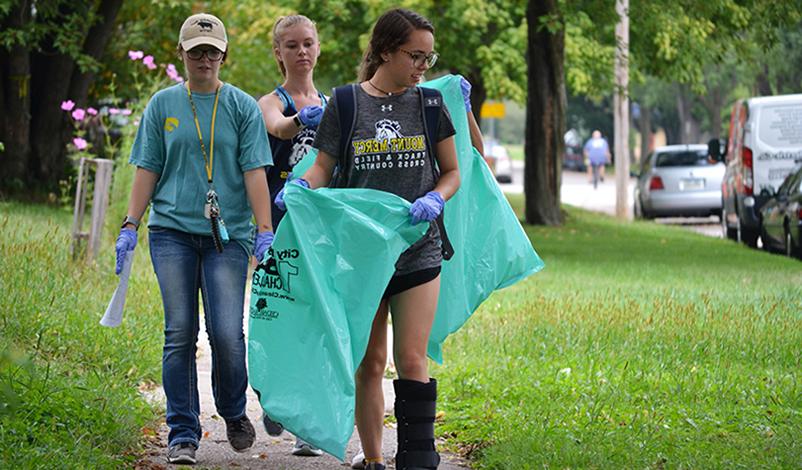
(416, 409)
(415, 459)
(416, 431)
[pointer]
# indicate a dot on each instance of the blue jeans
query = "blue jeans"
(185, 264)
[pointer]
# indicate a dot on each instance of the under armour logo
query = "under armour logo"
(432, 101)
(387, 107)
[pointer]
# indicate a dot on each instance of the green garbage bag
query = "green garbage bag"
(313, 302)
(491, 249)
(316, 401)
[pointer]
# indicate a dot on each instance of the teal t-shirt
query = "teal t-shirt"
(167, 143)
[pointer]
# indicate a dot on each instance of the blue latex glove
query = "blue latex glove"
(280, 196)
(310, 116)
(465, 87)
(126, 241)
(427, 207)
(262, 244)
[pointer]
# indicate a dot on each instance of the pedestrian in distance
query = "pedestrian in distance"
(201, 151)
(389, 126)
(597, 154)
(291, 115)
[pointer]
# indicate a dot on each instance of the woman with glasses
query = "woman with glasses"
(388, 150)
(201, 151)
(291, 114)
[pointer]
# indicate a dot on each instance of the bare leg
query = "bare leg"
(369, 413)
(413, 313)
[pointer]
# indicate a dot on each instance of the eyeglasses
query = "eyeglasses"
(419, 58)
(211, 54)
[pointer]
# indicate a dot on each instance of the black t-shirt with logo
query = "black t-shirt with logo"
(388, 152)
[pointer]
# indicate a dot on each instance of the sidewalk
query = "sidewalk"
(267, 452)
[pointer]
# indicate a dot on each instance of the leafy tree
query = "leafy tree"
(49, 52)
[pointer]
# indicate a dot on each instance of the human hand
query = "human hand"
(262, 244)
(126, 241)
(280, 196)
(310, 116)
(465, 87)
(427, 207)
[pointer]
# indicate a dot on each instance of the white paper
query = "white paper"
(114, 312)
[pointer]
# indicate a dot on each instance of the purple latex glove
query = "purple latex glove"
(126, 241)
(310, 116)
(262, 244)
(427, 207)
(280, 196)
(465, 87)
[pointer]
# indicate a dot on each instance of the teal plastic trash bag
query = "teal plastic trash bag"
(326, 327)
(491, 249)
(313, 303)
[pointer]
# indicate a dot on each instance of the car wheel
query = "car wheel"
(637, 209)
(789, 247)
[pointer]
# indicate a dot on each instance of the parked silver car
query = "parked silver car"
(678, 181)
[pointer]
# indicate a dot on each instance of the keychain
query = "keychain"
(212, 212)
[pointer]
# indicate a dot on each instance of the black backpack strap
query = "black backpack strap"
(345, 99)
(431, 104)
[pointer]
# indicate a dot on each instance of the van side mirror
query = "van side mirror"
(717, 149)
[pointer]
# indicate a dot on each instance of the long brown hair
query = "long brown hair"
(281, 25)
(392, 30)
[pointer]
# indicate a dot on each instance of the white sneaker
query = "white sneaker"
(359, 460)
(305, 449)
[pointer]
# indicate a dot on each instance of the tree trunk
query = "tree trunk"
(94, 45)
(689, 132)
(545, 117)
(16, 103)
(478, 93)
(645, 128)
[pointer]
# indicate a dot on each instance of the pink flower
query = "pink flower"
(136, 122)
(114, 111)
(173, 73)
(91, 111)
(136, 55)
(125, 112)
(78, 114)
(67, 105)
(148, 61)
(79, 143)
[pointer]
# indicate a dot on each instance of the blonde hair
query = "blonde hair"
(281, 25)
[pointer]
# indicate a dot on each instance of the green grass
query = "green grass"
(638, 346)
(68, 386)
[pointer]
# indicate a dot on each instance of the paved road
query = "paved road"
(576, 191)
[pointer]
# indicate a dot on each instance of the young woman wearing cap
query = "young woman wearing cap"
(389, 103)
(291, 113)
(201, 152)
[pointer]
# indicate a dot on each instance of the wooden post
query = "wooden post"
(100, 201)
(621, 110)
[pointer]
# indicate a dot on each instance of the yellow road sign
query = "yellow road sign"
(492, 110)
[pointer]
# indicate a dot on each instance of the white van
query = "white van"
(764, 145)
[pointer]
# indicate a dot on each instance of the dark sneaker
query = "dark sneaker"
(305, 449)
(271, 427)
(375, 466)
(183, 453)
(240, 433)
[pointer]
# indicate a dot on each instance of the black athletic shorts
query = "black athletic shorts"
(401, 282)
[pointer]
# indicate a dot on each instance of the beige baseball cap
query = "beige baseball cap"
(203, 28)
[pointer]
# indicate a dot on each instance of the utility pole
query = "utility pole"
(621, 110)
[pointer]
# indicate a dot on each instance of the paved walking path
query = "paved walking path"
(267, 452)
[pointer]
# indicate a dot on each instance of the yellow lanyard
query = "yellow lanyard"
(210, 159)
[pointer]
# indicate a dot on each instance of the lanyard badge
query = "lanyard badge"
(211, 209)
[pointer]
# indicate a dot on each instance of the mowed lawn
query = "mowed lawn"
(638, 346)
